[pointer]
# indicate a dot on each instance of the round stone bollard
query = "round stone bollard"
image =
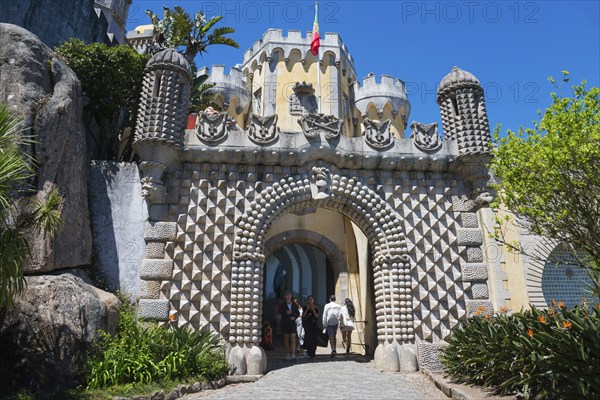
(256, 360)
(408, 358)
(390, 361)
(237, 360)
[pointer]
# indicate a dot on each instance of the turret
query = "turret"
(382, 101)
(164, 106)
(464, 116)
(279, 63)
(230, 90)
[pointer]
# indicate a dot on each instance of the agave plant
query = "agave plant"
(16, 168)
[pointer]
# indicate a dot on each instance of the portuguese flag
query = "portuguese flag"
(316, 37)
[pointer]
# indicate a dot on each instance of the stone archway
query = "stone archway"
(391, 265)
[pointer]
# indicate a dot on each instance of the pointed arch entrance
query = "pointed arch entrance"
(391, 267)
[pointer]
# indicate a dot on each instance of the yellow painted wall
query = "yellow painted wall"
(506, 270)
(515, 269)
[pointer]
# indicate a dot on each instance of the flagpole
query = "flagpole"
(318, 65)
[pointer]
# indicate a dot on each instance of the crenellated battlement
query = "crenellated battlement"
(274, 39)
(228, 85)
(217, 74)
(387, 83)
(379, 93)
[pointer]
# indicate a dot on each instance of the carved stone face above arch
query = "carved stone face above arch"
(380, 223)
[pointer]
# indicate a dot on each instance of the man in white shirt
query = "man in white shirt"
(331, 320)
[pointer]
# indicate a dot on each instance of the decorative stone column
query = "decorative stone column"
(158, 142)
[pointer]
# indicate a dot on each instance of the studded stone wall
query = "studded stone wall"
(213, 198)
(440, 274)
(425, 203)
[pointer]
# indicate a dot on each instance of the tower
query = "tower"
(382, 101)
(164, 105)
(465, 121)
(464, 116)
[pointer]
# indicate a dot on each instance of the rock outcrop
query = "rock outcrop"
(46, 333)
(47, 95)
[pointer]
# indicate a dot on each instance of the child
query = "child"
(267, 336)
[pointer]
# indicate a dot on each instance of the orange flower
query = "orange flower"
(503, 310)
(488, 316)
(598, 306)
(551, 312)
(561, 304)
(481, 308)
(553, 302)
(530, 332)
(477, 312)
(171, 317)
(567, 324)
(542, 319)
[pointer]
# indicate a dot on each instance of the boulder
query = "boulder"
(47, 95)
(46, 333)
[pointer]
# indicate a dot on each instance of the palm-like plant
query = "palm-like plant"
(16, 167)
(202, 97)
(178, 29)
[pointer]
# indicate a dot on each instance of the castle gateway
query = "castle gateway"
(283, 190)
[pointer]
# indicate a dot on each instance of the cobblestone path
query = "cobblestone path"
(345, 377)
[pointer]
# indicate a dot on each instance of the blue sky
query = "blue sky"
(511, 46)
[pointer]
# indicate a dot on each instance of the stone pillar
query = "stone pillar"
(154, 269)
(395, 329)
(474, 272)
(246, 356)
(158, 142)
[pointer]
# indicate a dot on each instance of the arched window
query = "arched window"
(454, 106)
(157, 83)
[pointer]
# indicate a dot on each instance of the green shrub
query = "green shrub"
(111, 78)
(536, 354)
(138, 354)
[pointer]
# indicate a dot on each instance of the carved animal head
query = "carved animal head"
(378, 129)
(211, 127)
(425, 136)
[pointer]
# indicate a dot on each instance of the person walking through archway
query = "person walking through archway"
(347, 315)
(309, 322)
(289, 314)
(331, 320)
(299, 328)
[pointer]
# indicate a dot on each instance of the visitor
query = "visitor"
(347, 315)
(309, 322)
(331, 320)
(267, 336)
(299, 328)
(289, 313)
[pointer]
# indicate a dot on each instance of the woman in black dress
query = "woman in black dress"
(309, 321)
